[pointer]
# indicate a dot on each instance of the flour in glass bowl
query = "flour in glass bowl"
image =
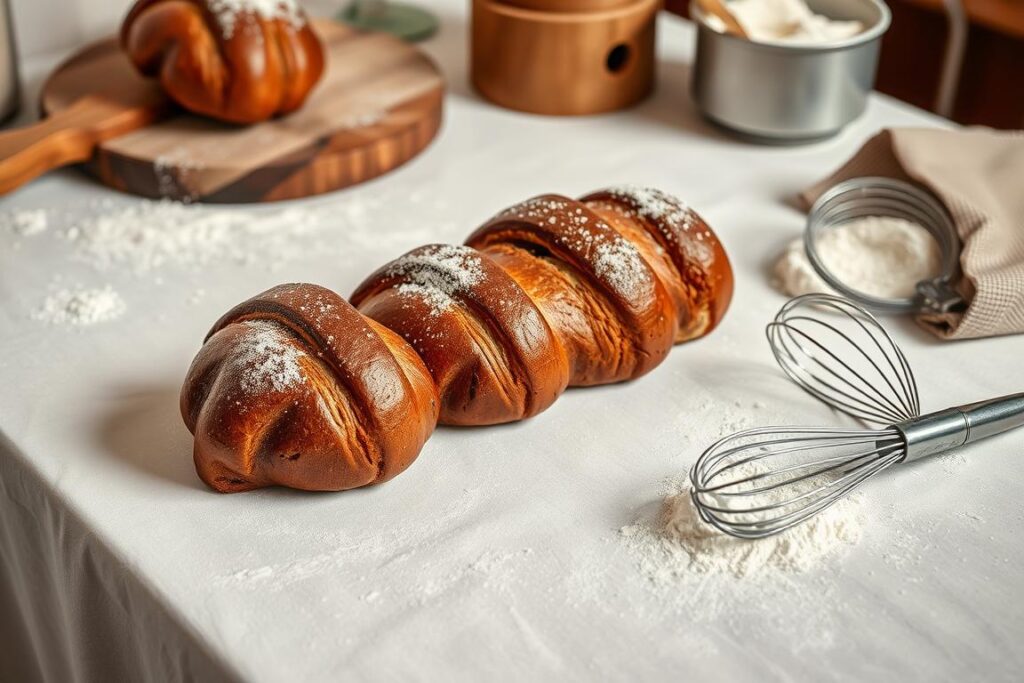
(878, 255)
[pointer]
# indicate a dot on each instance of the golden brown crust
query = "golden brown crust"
(263, 67)
(294, 387)
(491, 352)
(630, 318)
(703, 280)
(550, 293)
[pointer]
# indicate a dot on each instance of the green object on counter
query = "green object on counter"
(408, 22)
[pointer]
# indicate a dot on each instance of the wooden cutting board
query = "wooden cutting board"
(378, 105)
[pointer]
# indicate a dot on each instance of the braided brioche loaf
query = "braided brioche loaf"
(296, 387)
(235, 60)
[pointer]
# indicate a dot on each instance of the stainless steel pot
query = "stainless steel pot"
(10, 91)
(789, 93)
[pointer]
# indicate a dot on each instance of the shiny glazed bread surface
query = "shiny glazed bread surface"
(299, 388)
(236, 66)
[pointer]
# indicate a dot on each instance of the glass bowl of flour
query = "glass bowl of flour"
(884, 243)
(802, 73)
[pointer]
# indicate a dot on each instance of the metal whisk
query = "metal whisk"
(763, 481)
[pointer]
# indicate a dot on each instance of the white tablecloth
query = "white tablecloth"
(497, 555)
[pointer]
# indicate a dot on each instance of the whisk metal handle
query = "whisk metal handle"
(948, 429)
(995, 416)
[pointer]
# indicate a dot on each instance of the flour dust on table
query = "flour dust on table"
(407, 565)
(81, 306)
(26, 222)
(142, 238)
(697, 575)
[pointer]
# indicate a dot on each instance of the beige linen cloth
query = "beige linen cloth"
(979, 175)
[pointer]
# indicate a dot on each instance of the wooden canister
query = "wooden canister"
(563, 57)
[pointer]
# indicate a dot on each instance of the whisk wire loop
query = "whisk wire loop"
(859, 399)
(763, 481)
(734, 483)
(813, 446)
(840, 353)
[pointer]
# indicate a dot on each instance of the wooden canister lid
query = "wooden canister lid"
(566, 5)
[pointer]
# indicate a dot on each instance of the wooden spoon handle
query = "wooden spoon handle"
(67, 137)
(717, 8)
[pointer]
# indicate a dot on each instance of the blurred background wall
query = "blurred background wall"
(43, 26)
(986, 87)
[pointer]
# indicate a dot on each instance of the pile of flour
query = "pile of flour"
(877, 255)
(678, 541)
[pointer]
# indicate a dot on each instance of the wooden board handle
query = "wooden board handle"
(67, 137)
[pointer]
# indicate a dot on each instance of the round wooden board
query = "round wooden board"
(377, 106)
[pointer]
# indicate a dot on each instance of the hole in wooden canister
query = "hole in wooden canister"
(618, 58)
